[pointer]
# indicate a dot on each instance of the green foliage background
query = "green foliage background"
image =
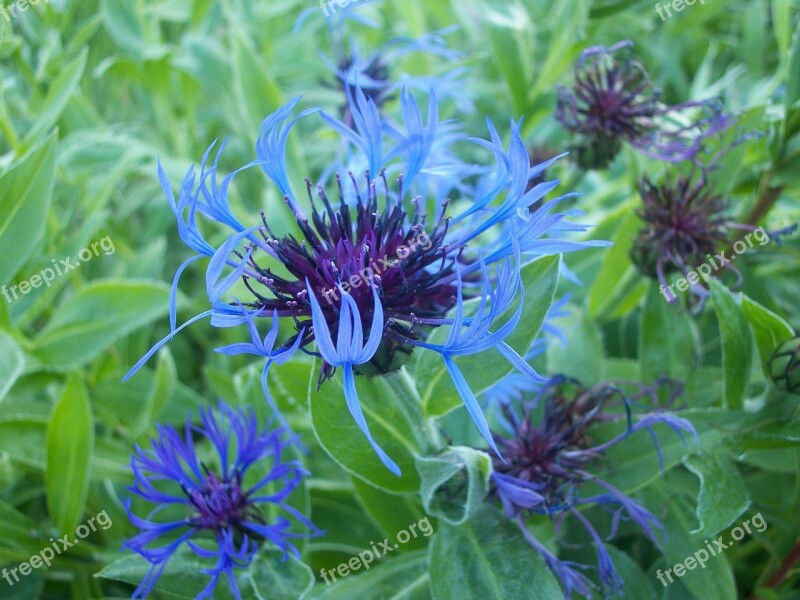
(92, 93)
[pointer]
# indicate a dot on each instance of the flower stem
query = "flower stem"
(767, 196)
(786, 566)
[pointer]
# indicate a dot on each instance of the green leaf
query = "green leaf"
(385, 401)
(12, 362)
(769, 330)
(123, 26)
(723, 496)
(618, 286)
(404, 577)
(17, 529)
(634, 461)
(24, 441)
(715, 581)
(273, 578)
(25, 193)
(160, 393)
(737, 350)
(774, 435)
(506, 35)
(391, 512)
(484, 369)
(666, 341)
(268, 577)
(793, 73)
(256, 92)
(582, 356)
(636, 580)
(454, 484)
(58, 96)
(181, 579)
(27, 588)
(781, 23)
(91, 320)
(70, 445)
(488, 558)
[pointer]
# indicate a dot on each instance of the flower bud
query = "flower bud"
(784, 366)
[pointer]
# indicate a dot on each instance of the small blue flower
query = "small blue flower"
(373, 73)
(222, 503)
(547, 465)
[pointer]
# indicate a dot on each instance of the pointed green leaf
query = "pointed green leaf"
(25, 192)
(58, 96)
(70, 445)
(737, 345)
(388, 402)
(713, 582)
(12, 362)
(793, 73)
(404, 577)
(582, 356)
(488, 558)
(618, 286)
(723, 496)
(95, 317)
(769, 330)
(667, 343)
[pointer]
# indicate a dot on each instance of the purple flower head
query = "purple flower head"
(612, 101)
(217, 509)
(549, 459)
(685, 226)
(685, 222)
(379, 259)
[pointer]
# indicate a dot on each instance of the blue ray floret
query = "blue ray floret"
(217, 510)
(385, 265)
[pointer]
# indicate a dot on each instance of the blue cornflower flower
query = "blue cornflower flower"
(377, 261)
(613, 101)
(546, 466)
(371, 73)
(221, 504)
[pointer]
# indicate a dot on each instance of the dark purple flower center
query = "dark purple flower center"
(683, 225)
(611, 100)
(219, 504)
(550, 454)
(411, 269)
(374, 80)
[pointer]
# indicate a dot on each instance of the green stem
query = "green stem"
(767, 197)
(427, 437)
